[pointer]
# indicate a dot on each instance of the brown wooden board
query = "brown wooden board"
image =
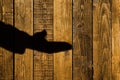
(63, 32)
(115, 39)
(82, 40)
(102, 39)
(43, 19)
(6, 57)
(24, 22)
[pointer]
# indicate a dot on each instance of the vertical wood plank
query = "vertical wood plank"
(24, 22)
(63, 32)
(6, 57)
(82, 40)
(102, 39)
(43, 19)
(115, 39)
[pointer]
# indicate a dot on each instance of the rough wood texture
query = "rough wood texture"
(63, 32)
(82, 39)
(102, 39)
(24, 21)
(43, 19)
(115, 39)
(6, 57)
(96, 39)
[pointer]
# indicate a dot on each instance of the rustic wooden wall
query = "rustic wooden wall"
(91, 26)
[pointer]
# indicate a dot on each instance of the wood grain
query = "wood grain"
(96, 39)
(63, 32)
(24, 22)
(115, 39)
(43, 19)
(6, 57)
(82, 39)
(102, 39)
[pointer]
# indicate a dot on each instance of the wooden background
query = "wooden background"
(91, 26)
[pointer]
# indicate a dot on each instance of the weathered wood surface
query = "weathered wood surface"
(43, 19)
(82, 40)
(63, 32)
(96, 43)
(24, 22)
(115, 39)
(102, 40)
(6, 57)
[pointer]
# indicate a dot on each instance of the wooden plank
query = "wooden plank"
(43, 19)
(6, 57)
(115, 39)
(82, 40)
(63, 32)
(102, 39)
(24, 22)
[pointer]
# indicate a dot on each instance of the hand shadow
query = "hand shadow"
(17, 41)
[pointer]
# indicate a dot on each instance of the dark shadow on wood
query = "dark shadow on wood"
(17, 41)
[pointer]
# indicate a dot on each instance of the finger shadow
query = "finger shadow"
(17, 41)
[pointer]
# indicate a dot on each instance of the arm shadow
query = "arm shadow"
(17, 41)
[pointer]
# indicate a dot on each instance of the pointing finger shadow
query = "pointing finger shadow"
(17, 41)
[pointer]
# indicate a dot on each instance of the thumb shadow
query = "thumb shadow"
(17, 41)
